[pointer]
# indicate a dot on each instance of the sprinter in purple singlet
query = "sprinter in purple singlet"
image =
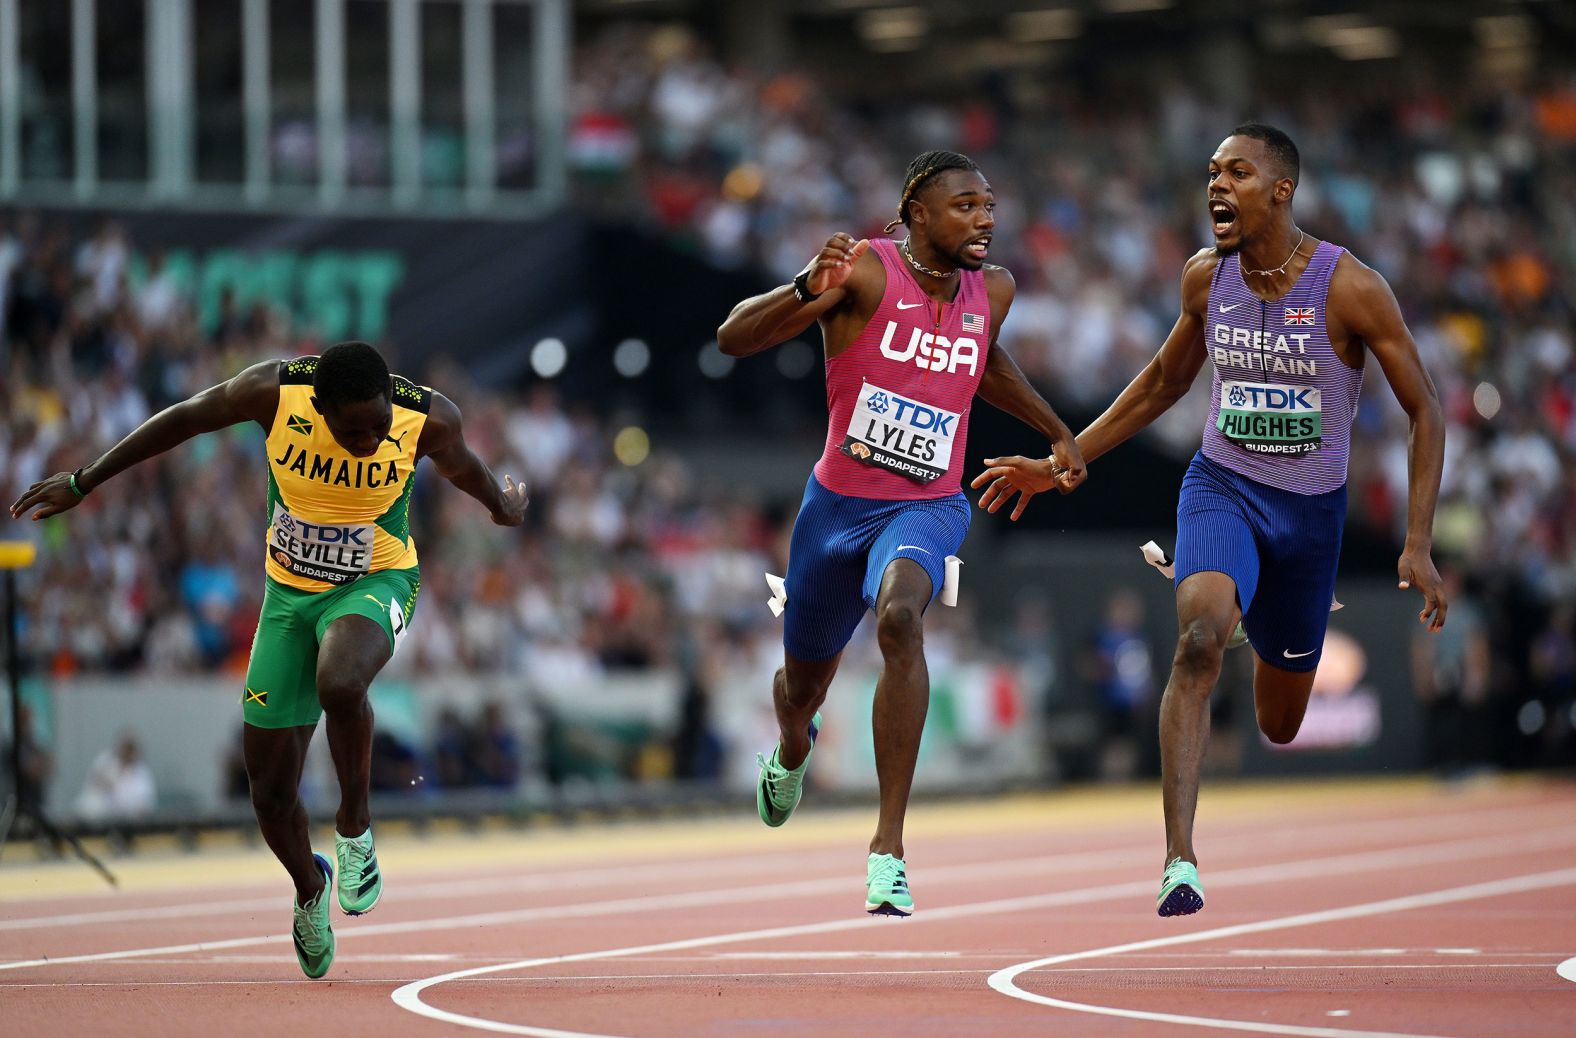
(1287, 322)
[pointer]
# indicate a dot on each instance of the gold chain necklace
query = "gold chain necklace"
(1274, 270)
(902, 247)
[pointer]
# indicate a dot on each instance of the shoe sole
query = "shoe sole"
(1183, 900)
(889, 909)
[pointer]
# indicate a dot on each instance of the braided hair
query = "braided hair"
(925, 166)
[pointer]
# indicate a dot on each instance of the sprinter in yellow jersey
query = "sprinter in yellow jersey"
(344, 437)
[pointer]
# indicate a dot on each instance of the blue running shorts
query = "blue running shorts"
(840, 550)
(1280, 547)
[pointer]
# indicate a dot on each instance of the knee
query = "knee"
(899, 629)
(799, 692)
(271, 799)
(1279, 729)
(1199, 649)
(341, 695)
(1280, 735)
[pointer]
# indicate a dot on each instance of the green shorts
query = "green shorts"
(281, 679)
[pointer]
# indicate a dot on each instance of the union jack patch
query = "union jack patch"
(974, 323)
(1299, 315)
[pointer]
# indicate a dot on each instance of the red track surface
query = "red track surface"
(1395, 912)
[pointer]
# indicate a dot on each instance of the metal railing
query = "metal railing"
(41, 114)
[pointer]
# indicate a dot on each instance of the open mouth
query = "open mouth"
(1222, 216)
(978, 248)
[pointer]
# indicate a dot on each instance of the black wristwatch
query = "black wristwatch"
(801, 287)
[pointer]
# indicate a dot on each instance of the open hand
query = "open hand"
(1017, 476)
(51, 496)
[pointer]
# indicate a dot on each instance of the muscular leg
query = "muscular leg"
(902, 695)
(1280, 699)
(274, 759)
(353, 650)
(798, 690)
(1206, 613)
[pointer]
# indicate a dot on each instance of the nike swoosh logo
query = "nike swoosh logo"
(907, 306)
(1227, 309)
(1297, 655)
(902, 547)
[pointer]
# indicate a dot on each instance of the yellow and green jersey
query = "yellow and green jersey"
(333, 517)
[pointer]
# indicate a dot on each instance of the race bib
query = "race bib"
(397, 621)
(1271, 419)
(901, 435)
(320, 551)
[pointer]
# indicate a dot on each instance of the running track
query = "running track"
(1347, 909)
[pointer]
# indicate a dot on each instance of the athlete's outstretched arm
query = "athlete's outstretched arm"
(443, 440)
(1005, 388)
(251, 396)
(763, 321)
(1366, 308)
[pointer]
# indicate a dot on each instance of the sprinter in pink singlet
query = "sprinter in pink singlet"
(910, 332)
(1287, 322)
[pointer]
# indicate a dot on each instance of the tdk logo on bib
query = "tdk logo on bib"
(1273, 398)
(1266, 418)
(904, 436)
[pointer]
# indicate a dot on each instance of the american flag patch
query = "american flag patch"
(1299, 315)
(974, 323)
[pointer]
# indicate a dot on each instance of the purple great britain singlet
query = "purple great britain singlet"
(1281, 401)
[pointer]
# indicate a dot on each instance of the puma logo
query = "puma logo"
(398, 444)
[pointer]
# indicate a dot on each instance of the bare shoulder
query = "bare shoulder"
(254, 393)
(1200, 266)
(442, 427)
(998, 278)
(1354, 282)
(1197, 273)
(443, 412)
(263, 375)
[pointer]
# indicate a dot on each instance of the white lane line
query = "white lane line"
(431, 891)
(731, 975)
(139, 984)
(409, 996)
(1428, 854)
(817, 956)
(1005, 981)
(1322, 967)
(1459, 850)
(1328, 953)
(1567, 969)
(1392, 831)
